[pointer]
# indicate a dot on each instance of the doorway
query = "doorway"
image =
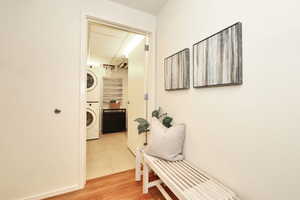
(116, 82)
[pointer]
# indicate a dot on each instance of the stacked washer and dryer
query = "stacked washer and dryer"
(93, 102)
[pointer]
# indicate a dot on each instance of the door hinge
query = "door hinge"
(147, 47)
(146, 97)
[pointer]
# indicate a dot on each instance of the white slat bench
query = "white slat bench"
(182, 178)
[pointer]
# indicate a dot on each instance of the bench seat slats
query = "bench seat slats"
(217, 183)
(201, 185)
(191, 183)
(207, 184)
(175, 179)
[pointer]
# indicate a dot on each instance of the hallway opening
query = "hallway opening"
(115, 87)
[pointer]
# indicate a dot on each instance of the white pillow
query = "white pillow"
(166, 143)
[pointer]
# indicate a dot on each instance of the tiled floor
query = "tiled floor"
(108, 155)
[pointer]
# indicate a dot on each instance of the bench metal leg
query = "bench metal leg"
(145, 178)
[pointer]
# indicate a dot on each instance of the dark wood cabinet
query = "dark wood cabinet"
(113, 120)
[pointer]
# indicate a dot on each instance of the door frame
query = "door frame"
(150, 72)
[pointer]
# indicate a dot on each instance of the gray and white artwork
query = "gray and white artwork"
(218, 59)
(177, 70)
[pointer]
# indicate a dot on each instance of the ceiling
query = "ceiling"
(108, 45)
(149, 6)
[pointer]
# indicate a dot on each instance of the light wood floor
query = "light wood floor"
(120, 186)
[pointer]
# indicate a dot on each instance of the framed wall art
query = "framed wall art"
(177, 71)
(217, 60)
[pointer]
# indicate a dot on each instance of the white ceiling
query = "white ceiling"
(149, 6)
(107, 44)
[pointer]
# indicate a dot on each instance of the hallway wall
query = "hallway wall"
(247, 136)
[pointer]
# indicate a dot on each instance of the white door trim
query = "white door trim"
(85, 18)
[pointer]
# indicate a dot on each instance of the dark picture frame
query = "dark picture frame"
(217, 59)
(177, 71)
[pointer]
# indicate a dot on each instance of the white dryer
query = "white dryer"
(93, 120)
(93, 83)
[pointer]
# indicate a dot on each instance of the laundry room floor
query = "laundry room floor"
(108, 155)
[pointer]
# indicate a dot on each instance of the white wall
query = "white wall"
(247, 136)
(39, 71)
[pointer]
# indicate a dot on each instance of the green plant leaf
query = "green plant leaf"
(143, 125)
(156, 113)
(167, 121)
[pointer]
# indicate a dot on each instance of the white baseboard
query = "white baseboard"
(54, 193)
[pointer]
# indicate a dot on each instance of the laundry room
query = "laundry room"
(115, 69)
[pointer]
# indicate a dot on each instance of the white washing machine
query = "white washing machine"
(93, 83)
(93, 120)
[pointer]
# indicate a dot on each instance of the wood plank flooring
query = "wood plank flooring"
(120, 186)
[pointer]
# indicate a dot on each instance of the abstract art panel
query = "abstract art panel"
(177, 70)
(217, 59)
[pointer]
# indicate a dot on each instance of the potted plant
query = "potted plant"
(143, 124)
(114, 104)
(143, 127)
